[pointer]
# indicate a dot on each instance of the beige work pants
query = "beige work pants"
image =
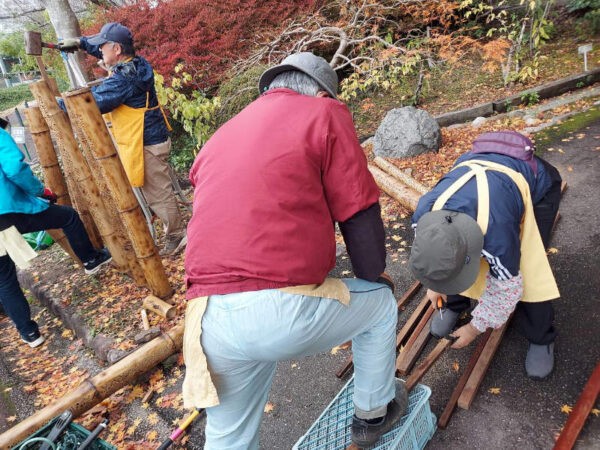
(158, 188)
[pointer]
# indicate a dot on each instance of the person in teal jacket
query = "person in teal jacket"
(26, 205)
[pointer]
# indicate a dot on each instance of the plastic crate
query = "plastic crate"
(331, 431)
(73, 433)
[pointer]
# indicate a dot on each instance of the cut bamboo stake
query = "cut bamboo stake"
(483, 362)
(402, 301)
(394, 171)
(95, 389)
(404, 195)
(412, 321)
(451, 405)
(83, 109)
(157, 306)
(577, 417)
(145, 323)
(53, 178)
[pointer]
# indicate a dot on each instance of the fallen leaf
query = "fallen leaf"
(566, 409)
(152, 435)
(11, 418)
(569, 169)
(269, 407)
(595, 412)
(494, 390)
(455, 366)
(552, 251)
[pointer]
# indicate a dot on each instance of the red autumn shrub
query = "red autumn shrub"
(205, 36)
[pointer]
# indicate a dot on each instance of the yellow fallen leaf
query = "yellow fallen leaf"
(566, 409)
(152, 419)
(152, 435)
(595, 412)
(494, 390)
(269, 407)
(455, 366)
(569, 169)
(396, 238)
(560, 150)
(345, 272)
(294, 365)
(552, 250)
(11, 418)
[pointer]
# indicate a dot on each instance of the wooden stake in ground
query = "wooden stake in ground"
(95, 389)
(84, 111)
(75, 166)
(53, 178)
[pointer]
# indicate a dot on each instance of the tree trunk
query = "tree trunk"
(66, 25)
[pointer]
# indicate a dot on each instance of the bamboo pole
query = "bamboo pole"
(406, 196)
(95, 389)
(74, 198)
(76, 167)
(82, 107)
(394, 171)
(157, 306)
(135, 269)
(53, 178)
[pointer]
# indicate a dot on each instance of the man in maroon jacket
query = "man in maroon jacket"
(269, 187)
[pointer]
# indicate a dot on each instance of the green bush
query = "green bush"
(583, 5)
(12, 96)
(237, 92)
(184, 149)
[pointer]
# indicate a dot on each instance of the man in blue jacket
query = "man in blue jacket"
(138, 123)
(26, 206)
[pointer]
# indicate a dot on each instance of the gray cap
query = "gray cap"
(446, 251)
(312, 65)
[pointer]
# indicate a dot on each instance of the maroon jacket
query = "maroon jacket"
(269, 186)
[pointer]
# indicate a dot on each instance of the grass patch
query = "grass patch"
(12, 96)
(574, 123)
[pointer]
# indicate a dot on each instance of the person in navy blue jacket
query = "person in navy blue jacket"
(138, 124)
(27, 206)
(500, 247)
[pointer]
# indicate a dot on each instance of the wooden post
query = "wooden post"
(53, 178)
(400, 192)
(95, 389)
(84, 111)
(74, 165)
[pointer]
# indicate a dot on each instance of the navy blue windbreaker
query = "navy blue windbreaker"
(129, 84)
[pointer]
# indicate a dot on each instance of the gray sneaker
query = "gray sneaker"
(174, 243)
(540, 361)
(443, 322)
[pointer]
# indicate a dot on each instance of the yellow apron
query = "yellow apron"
(538, 281)
(128, 131)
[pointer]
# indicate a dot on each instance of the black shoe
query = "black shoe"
(367, 432)
(93, 265)
(33, 339)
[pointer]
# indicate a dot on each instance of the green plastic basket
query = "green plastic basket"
(74, 435)
(331, 431)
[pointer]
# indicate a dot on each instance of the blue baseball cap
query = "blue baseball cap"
(112, 32)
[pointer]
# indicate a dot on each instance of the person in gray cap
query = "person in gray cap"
(481, 234)
(139, 125)
(269, 187)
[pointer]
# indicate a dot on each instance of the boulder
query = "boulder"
(406, 132)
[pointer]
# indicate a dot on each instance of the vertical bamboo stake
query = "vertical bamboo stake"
(134, 266)
(82, 106)
(75, 166)
(52, 175)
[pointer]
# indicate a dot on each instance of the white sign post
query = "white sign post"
(584, 50)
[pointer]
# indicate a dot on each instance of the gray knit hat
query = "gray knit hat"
(446, 251)
(313, 66)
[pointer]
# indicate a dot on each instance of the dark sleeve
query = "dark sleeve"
(113, 92)
(365, 242)
(93, 50)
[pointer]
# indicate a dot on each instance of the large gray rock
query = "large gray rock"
(405, 132)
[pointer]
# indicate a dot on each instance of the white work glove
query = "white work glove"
(69, 44)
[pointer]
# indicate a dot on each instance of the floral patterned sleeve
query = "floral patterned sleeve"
(497, 302)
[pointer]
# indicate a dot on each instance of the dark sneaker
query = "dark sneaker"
(174, 243)
(93, 266)
(443, 322)
(540, 361)
(367, 432)
(33, 339)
